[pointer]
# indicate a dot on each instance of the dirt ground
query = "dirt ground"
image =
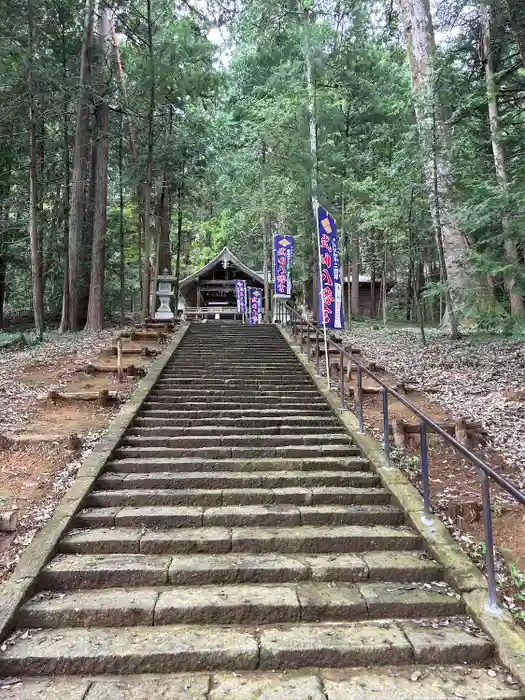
(43, 442)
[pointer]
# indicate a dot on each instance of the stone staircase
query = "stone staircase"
(236, 540)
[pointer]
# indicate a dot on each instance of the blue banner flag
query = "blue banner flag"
(330, 278)
(240, 293)
(255, 302)
(283, 257)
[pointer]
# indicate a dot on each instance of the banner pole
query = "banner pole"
(321, 299)
(273, 277)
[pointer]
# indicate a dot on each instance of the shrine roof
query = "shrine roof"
(224, 255)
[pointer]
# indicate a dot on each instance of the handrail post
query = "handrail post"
(342, 379)
(386, 425)
(301, 337)
(360, 400)
(308, 343)
(489, 540)
(317, 354)
(423, 444)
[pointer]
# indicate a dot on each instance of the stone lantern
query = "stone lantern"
(165, 293)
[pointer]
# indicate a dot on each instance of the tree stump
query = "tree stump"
(103, 398)
(5, 442)
(149, 352)
(9, 520)
(74, 442)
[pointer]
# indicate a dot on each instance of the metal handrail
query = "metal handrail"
(285, 313)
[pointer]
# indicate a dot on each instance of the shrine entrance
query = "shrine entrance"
(209, 293)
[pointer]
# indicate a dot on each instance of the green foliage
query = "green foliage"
(231, 133)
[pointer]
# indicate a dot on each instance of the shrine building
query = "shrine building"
(209, 293)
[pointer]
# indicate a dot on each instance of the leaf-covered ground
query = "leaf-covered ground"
(478, 378)
(34, 475)
(64, 353)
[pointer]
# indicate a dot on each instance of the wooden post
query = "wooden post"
(462, 433)
(119, 359)
(398, 432)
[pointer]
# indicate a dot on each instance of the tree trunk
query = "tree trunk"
(515, 298)
(435, 138)
(156, 261)
(4, 226)
(140, 240)
(384, 299)
(349, 283)
(87, 235)
(79, 173)
(95, 315)
(309, 18)
(416, 277)
(264, 227)
(40, 160)
(164, 252)
(2, 286)
(149, 172)
(516, 10)
(34, 208)
(355, 275)
(410, 292)
(65, 322)
(179, 244)
(373, 290)
(122, 270)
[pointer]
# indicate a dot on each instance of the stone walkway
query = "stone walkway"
(238, 539)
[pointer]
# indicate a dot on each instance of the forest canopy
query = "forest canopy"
(142, 136)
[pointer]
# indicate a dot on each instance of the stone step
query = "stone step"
(178, 648)
(79, 571)
(272, 363)
(276, 364)
(311, 539)
(163, 496)
(283, 423)
(164, 411)
(214, 429)
(252, 384)
(234, 370)
(295, 451)
(392, 682)
(148, 438)
(235, 393)
(218, 400)
(225, 375)
(274, 515)
(242, 480)
(258, 407)
(239, 604)
(405, 682)
(168, 466)
(219, 380)
(259, 346)
(285, 379)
